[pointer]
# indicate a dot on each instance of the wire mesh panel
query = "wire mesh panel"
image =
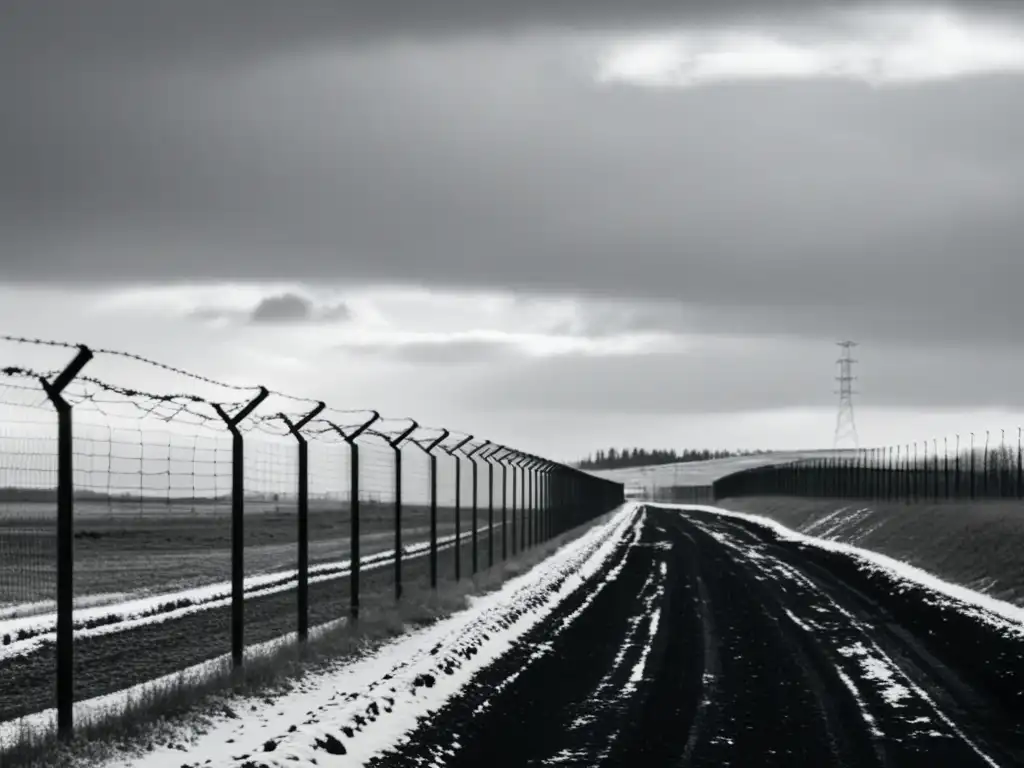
(330, 516)
(466, 516)
(496, 541)
(28, 483)
(271, 511)
(329, 502)
(415, 494)
(446, 515)
(377, 496)
(151, 513)
(377, 523)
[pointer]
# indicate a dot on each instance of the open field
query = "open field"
(979, 545)
(114, 656)
(147, 717)
(123, 551)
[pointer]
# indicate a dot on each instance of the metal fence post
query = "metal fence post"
(65, 541)
(984, 468)
(1004, 465)
(355, 554)
(396, 446)
(973, 481)
(490, 459)
(303, 513)
(472, 456)
(524, 538)
(898, 477)
(956, 470)
(504, 504)
(534, 507)
(453, 452)
(513, 459)
(544, 503)
(238, 524)
(945, 465)
(915, 477)
(429, 450)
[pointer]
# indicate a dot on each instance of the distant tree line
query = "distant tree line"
(614, 458)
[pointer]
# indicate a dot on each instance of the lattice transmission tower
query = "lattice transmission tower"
(846, 429)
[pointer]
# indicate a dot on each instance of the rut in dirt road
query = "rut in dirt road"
(705, 642)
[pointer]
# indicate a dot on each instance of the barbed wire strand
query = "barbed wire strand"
(169, 407)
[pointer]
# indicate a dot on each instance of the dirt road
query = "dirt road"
(707, 642)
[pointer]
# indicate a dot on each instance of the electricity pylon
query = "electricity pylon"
(846, 429)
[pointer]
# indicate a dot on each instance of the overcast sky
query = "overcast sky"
(557, 225)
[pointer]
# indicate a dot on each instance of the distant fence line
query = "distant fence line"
(537, 498)
(895, 474)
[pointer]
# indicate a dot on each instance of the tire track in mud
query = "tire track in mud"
(706, 643)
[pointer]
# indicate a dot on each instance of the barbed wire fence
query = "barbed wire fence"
(958, 468)
(182, 492)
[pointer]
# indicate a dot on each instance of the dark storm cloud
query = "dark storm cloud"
(277, 309)
(106, 33)
(253, 149)
(293, 308)
(286, 308)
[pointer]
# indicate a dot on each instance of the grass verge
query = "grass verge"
(976, 544)
(186, 704)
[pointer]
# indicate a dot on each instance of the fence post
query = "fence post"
(396, 446)
(1004, 465)
(1020, 465)
(956, 476)
(303, 511)
(899, 474)
(908, 473)
(471, 455)
(534, 501)
(513, 460)
(519, 532)
(429, 450)
(489, 458)
(527, 503)
(238, 524)
(915, 477)
(545, 499)
(945, 465)
(504, 503)
(984, 468)
(355, 555)
(519, 535)
(453, 452)
(65, 540)
(973, 480)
